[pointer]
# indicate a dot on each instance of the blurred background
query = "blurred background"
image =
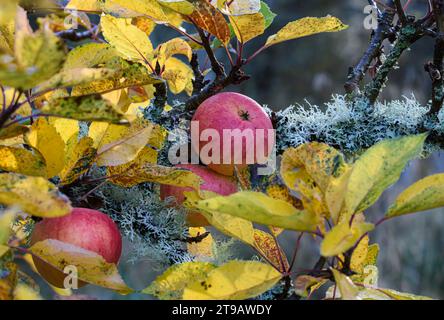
(411, 248)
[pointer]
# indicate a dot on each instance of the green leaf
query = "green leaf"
(85, 108)
(260, 208)
(267, 13)
(91, 267)
(305, 27)
(343, 237)
(34, 195)
(377, 169)
(235, 280)
(423, 195)
(170, 285)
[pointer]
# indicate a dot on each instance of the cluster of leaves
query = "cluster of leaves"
(69, 109)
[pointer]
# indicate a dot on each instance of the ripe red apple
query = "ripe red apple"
(89, 229)
(226, 112)
(213, 182)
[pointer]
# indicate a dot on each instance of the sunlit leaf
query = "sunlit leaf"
(235, 280)
(426, 194)
(247, 27)
(210, 19)
(6, 218)
(34, 195)
(306, 27)
(79, 160)
(85, 108)
(260, 208)
(343, 237)
(44, 137)
(377, 169)
(202, 249)
(131, 42)
(20, 160)
(84, 5)
(346, 287)
(178, 75)
(266, 244)
(89, 55)
(91, 267)
(134, 8)
(170, 285)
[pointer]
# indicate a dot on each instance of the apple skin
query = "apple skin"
(86, 228)
(213, 182)
(231, 110)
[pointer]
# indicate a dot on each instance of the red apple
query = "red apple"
(226, 112)
(213, 182)
(89, 229)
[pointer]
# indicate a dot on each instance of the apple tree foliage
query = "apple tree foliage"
(90, 103)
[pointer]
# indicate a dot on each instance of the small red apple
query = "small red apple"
(224, 113)
(213, 182)
(89, 229)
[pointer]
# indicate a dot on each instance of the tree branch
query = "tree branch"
(356, 74)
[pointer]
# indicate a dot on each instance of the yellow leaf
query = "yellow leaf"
(66, 128)
(306, 27)
(6, 219)
(170, 285)
(7, 29)
(8, 282)
(235, 280)
(145, 24)
(247, 27)
(128, 74)
(377, 169)
(346, 287)
(79, 160)
(3, 250)
(426, 194)
(89, 55)
(84, 5)
(131, 42)
(238, 7)
(178, 75)
(201, 250)
(85, 108)
(343, 237)
(121, 144)
(34, 195)
(305, 285)
(265, 243)
(260, 208)
(396, 295)
(25, 292)
(12, 131)
(20, 160)
(134, 8)
(44, 137)
(176, 46)
(210, 19)
(181, 6)
(91, 267)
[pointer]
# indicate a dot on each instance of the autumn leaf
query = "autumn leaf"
(305, 285)
(176, 46)
(346, 287)
(9, 281)
(235, 280)
(131, 42)
(181, 6)
(34, 195)
(6, 218)
(423, 195)
(266, 244)
(80, 158)
(248, 27)
(128, 74)
(44, 137)
(91, 267)
(343, 237)
(134, 8)
(306, 27)
(84, 108)
(170, 285)
(377, 169)
(89, 55)
(20, 160)
(202, 250)
(84, 5)
(238, 7)
(210, 19)
(178, 75)
(260, 208)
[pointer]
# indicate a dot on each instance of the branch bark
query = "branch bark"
(357, 73)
